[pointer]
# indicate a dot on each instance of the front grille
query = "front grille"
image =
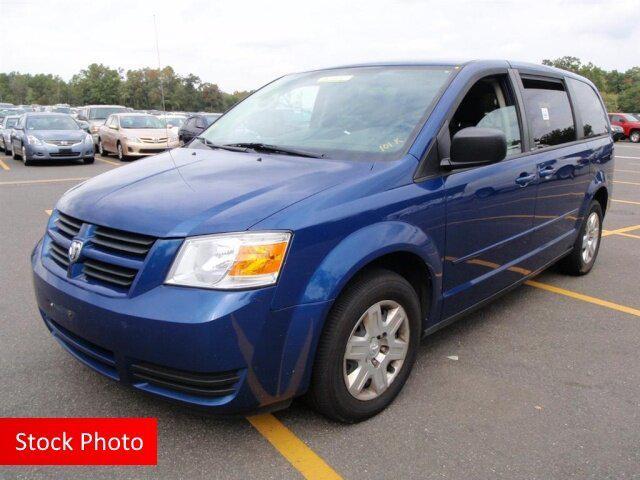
(122, 242)
(153, 140)
(59, 255)
(116, 275)
(70, 154)
(68, 226)
(152, 150)
(192, 383)
(95, 356)
(61, 143)
(111, 258)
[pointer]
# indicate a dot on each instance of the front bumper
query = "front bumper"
(203, 334)
(47, 151)
(145, 149)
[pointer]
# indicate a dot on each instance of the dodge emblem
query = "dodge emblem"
(74, 250)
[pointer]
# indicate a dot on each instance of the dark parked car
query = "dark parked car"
(318, 230)
(50, 136)
(195, 125)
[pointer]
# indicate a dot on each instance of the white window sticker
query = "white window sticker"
(545, 113)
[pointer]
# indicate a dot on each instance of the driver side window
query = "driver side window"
(490, 103)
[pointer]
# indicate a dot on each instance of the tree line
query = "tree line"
(620, 90)
(140, 89)
(99, 84)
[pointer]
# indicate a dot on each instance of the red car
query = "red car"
(629, 123)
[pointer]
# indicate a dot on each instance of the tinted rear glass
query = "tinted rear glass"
(549, 112)
(100, 113)
(594, 118)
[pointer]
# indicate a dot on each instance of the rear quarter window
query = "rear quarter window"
(548, 112)
(594, 118)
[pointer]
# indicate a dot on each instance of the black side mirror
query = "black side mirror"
(474, 146)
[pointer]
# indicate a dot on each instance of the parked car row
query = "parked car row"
(60, 131)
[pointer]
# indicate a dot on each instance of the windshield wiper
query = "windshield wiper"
(217, 146)
(262, 147)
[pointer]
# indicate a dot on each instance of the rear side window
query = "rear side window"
(548, 112)
(594, 118)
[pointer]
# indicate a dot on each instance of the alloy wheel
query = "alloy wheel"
(590, 238)
(120, 154)
(635, 137)
(376, 350)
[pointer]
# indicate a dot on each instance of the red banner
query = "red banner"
(78, 441)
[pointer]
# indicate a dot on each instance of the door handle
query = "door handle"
(546, 171)
(525, 179)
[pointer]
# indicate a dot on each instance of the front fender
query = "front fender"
(363, 247)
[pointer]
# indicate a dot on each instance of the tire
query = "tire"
(27, 162)
(329, 393)
(634, 136)
(121, 156)
(14, 155)
(88, 161)
(101, 151)
(577, 262)
(7, 151)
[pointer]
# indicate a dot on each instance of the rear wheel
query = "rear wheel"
(367, 348)
(585, 249)
(15, 155)
(635, 136)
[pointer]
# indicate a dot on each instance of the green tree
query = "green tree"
(97, 84)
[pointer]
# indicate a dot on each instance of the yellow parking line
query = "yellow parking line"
(584, 298)
(3, 165)
(299, 455)
(628, 235)
(120, 164)
(627, 183)
(625, 201)
(606, 233)
(48, 212)
(53, 180)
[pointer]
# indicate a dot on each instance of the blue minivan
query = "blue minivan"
(306, 241)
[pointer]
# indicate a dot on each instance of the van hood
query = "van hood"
(193, 191)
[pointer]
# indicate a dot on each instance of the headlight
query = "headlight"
(88, 138)
(230, 261)
(616, 128)
(173, 138)
(134, 139)
(94, 128)
(34, 140)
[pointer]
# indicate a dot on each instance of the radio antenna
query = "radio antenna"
(155, 28)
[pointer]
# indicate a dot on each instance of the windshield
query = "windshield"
(629, 118)
(61, 110)
(57, 122)
(101, 113)
(141, 121)
(173, 121)
(10, 122)
(212, 118)
(352, 113)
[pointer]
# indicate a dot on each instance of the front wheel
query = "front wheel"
(15, 155)
(367, 348)
(635, 136)
(25, 160)
(585, 249)
(101, 151)
(121, 156)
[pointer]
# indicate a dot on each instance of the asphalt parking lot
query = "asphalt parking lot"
(543, 383)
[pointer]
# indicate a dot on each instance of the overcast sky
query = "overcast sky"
(242, 44)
